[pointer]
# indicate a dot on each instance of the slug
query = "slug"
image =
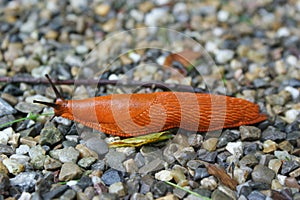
(129, 115)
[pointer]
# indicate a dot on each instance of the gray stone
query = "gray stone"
(69, 171)
(50, 135)
(262, 174)
(5, 108)
(250, 133)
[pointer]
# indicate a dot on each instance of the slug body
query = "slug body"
(137, 114)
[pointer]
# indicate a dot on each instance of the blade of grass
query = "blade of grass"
(188, 191)
(29, 116)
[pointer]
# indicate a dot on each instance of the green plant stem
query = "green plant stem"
(187, 190)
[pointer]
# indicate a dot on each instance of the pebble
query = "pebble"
(4, 182)
(5, 135)
(5, 108)
(262, 174)
(288, 166)
(184, 155)
(200, 173)
(226, 137)
(273, 134)
(235, 148)
(256, 195)
(22, 149)
(250, 133)
(97, 145)
(210, 144)
(112, 176)
(118, 188)
(209, 183)
(13, 166)
(295, 93)
(207, 156)
(115, 160)
(69, 171)
(269, 146)
(50, 135)
(223, 56)
(65, 155)
(286, 146)
(249, 160)
(275, 165)
(164, 175)
(28, 107)
(51, 163)
(55, 192)
(25, 181)
(86, 162)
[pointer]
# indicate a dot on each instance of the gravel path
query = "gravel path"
(244, 48)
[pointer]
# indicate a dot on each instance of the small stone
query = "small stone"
(209, 183)
(118, 188)
(250, 133)
(5, 135)
(275, 165)
(115, 160)
(226, 137)
(291, 115)
(51, 164)
(210, 144)
(223, 56)
(13, 166)
(269, 146)
(40, 72)
(69, 194)
(81, 49)
(273, 134)
(4, 182)
(184, 155)
(65, 155)
(112, 176)
(295, 93)
(154, 165)
(22, 149)
(241, 174)
(262, 174)
(275, 185)
(288, 166)
(86, 162)
(5, 108)
(3, 169)
(295, 173)
(28, 107)
(195, 140)
(37, 162)
(25, 181)
(179, 177)
(36, 151)
(69, 171)
(283, 32)
(223, 15)
(85, 152)
(249, 160)
(207, 156)
(256, 195)
(102, 9)
(235, 148)
(200, 173)
(286, 146)
(130, 166)
(55, 192)
(168, 197)
(97, 145)
(279, 99)
(50, 135)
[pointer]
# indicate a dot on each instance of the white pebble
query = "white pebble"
(81, 49)
(5, 135)
(234, 147)
(22, 149)
(135, 57)
(292, 60)
(113, 77)
(283, 32)
(40, 72)
(164, 175)
(294, 92)
(223, 56)
(211, 47)
(156, 17)
(291, 115)
(223, 15)
(281, 179)
(137, 15)
(63, 121)
(218, 31)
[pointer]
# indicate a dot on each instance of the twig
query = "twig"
(153, 85)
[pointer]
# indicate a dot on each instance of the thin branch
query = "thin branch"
(153, 85)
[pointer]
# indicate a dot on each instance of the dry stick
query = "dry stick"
(153, 85)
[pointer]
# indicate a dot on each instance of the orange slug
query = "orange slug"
(138, 114)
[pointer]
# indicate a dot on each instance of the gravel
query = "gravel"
(248, 50)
